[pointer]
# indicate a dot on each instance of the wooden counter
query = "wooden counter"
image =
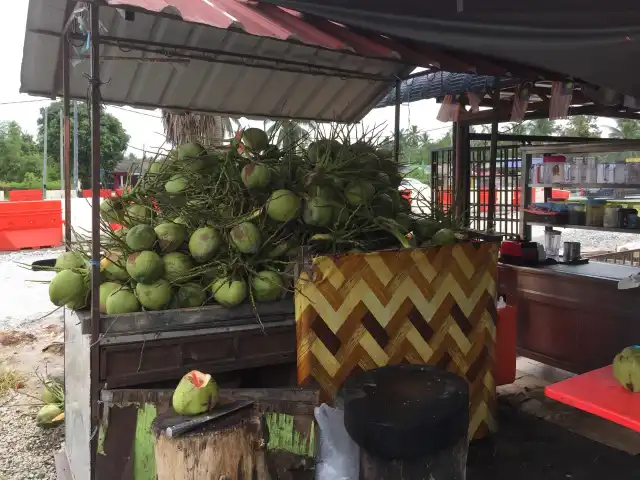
(572, 317)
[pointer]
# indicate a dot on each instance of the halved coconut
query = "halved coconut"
(196, 393)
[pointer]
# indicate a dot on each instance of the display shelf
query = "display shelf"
(599, 393)
(587, 227)
(584, 185)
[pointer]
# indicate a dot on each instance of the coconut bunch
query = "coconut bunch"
(225, 224)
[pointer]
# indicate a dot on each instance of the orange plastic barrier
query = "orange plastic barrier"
(24, 195)
(504, 371)
(31, 224)
(104, 193)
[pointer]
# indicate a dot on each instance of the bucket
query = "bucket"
(410, 418)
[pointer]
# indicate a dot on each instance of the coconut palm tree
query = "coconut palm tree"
(542, 127)
(208, 130)
(625, 128)
(287, 134)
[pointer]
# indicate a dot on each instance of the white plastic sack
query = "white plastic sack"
(339, 455)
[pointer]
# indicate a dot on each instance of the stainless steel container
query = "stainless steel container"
(571, 251)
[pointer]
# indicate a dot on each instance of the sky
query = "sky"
(145, 126)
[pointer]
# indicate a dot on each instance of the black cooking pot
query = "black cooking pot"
(406, 411)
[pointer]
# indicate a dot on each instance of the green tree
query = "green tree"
(625, 128)
(542, 127)
(19, 153)
(582, 126)
(113, 139)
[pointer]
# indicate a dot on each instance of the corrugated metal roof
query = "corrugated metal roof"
(439, 84)
(269, 61)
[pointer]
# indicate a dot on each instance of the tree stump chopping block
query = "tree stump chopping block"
(228, 449)
(448, 464)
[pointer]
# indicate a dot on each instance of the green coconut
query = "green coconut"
(177, 184)
(112, 210)
(174, 304)
(141, 237)
(229, 293)
(266, 286)
(359, 193)
(107, 289)
(154, 296)
(196, 393)
(255, 176)
(246, 237)
(67, 288)
(48, 416)
(283, 205)
(444, 236)
(192, 156)
(426, 228)
(323, 149)
(178, 267)
(191, 295)
(122, 301)
(171, 236)
(69, 260)
(255, 139)
(204, 244)
(181, 221)
(139, 214)
(279, 250)
(145, 266)
(327, 192)
(626, 368)
(362, 148)
(318, 212)
(272, 151)
(404, 221)
(160, 165)
(112, 267)
(52, 392)
(383, 206)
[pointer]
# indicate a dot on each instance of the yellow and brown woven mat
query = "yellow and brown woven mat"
(423, 306)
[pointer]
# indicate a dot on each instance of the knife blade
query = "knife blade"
(184, 424)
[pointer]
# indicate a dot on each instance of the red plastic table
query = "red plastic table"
(599, 393)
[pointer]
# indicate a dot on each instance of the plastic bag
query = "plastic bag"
(339, 455)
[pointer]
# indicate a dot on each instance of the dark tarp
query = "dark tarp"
(589, 40)
(439, 84)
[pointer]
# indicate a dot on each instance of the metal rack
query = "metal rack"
(528, 152)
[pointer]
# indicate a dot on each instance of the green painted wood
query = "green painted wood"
(144, 460)
(283, 435)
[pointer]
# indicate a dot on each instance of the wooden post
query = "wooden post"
(229, 449)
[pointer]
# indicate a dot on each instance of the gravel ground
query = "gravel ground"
(26, 450)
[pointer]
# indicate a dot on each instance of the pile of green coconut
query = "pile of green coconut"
(224, 225)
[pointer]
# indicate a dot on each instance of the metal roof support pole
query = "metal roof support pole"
(396, 131)
(462, 170)
(493, 160)
(67, 135)
(94, 85)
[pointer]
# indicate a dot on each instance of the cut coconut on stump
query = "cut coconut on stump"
(227, 448)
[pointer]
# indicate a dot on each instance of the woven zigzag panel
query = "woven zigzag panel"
(423, 306)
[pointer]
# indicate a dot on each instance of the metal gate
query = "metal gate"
(507, 192)
(442, 178)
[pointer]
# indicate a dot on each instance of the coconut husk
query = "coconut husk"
(183, 127)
